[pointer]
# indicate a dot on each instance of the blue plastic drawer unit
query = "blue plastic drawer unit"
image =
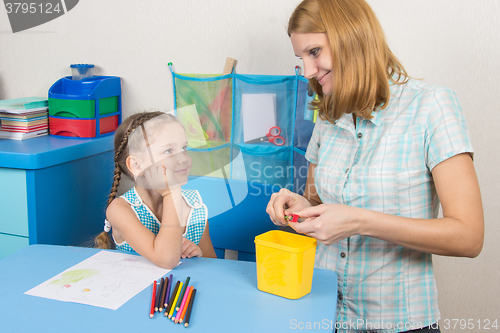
(86, 108)
(54, 190)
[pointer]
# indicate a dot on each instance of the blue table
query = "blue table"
(227, 299)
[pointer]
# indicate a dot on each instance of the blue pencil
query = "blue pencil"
(169, 286)
(174, 314)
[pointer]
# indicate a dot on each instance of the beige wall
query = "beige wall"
(455, 43)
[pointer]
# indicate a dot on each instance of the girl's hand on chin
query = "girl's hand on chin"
(159, 178)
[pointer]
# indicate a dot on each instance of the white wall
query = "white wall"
(450, 42)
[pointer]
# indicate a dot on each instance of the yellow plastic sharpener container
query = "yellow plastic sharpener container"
(285, 263)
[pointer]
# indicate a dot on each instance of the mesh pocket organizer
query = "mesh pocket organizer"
(256, 127)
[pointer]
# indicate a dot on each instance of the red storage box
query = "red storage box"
(82, 128)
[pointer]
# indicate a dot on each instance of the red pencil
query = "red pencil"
(153, 299)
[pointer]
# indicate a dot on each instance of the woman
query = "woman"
(386, 152)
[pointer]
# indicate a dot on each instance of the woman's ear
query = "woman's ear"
(134, 165)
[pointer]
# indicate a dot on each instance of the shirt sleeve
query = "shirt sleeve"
(314, 143)
(447, 133)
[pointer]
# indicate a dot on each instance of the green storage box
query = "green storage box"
(80, 108)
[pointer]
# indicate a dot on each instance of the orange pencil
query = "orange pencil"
(178, 317)
(183, 310)
(153, 299)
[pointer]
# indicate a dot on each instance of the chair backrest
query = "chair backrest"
(236, 213)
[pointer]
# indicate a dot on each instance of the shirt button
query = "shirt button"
(360, 135)
(340, 297)
(347, 170)
(342, 254)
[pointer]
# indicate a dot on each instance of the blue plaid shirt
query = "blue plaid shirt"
(196, 220)
(384, 165)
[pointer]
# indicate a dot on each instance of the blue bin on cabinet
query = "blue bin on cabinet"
(86, 108)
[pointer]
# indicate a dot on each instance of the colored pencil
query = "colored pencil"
(169, 286)
(152, 312)
(158, 294)
(183, 303)
(190, 308)
(183, 309)
(169, 306)
(175, 301)
(179, 312)
(179, 301)
(173, 315)
(163, 293)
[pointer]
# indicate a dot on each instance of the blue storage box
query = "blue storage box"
(93, 98)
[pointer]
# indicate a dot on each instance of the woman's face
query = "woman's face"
(316, 54)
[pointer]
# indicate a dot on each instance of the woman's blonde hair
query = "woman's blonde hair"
(362, 63)
(121, 143)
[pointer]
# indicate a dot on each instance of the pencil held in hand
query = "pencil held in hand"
(294, 218)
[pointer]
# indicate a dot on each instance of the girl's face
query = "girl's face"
(316, 54)
(170, 146)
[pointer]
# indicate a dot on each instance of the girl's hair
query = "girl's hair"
(121, 143)
(362, 63)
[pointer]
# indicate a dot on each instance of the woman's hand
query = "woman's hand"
(328, 223)
(283, 203)
(190, 249)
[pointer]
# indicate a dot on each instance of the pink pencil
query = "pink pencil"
(183, 304)
(186, 305)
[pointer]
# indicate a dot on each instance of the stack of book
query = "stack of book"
(24, 118)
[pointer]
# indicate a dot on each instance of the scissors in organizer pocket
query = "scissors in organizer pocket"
(272, 136)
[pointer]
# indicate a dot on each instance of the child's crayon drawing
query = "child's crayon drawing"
(107, 279)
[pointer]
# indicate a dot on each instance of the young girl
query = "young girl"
(156, 218)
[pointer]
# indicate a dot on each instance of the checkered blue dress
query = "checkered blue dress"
(196, 220)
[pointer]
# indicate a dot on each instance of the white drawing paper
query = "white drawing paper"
(259, 115)
(107, 279)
